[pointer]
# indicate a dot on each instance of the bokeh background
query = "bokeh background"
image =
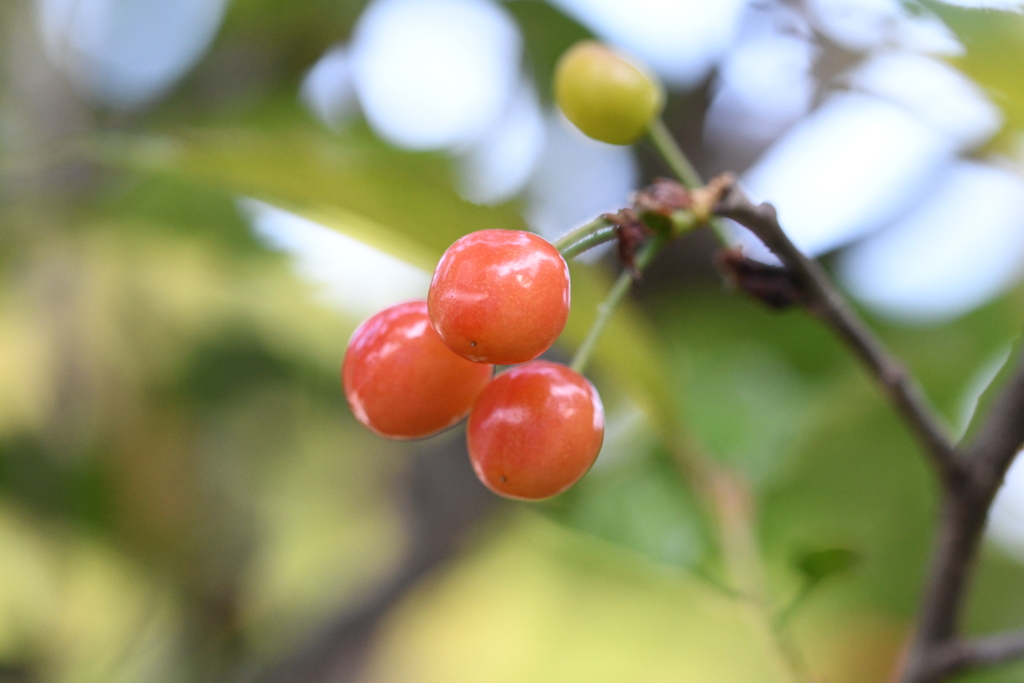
(200, 200)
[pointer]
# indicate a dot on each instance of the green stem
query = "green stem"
(674, 156)
(611, 302)
(568, 239)
(670, 151)
(591, 235)
(783, 617)
(590, 241)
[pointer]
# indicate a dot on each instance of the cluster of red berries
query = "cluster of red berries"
(501, 297)
(498, 297)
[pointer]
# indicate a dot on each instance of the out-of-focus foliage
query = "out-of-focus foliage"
(185, 496)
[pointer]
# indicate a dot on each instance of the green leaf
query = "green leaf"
(308, 170)
(748, 407)
(818, 565)
(642, 504)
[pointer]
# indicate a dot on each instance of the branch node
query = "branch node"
(894, 375)
(821, 298)
(632, 232)
(772, 285)
(706, 198)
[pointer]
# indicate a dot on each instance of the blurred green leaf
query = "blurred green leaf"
(52, 488)
(747, 406)
(855, 471)
(642, 504)
(995, 45)
(309, 170)
(818, 565)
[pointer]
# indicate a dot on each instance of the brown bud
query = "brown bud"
(774, 285)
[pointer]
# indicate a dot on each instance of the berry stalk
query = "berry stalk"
(608, 306)
(677, 160)
(590, 241)
(586, 230)
(673, 155)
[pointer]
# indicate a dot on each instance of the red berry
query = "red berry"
(535, 430)
(500, 296)
(402, 381)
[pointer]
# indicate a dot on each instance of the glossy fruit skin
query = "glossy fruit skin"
(401, 381)
(535, 430)
(500, 296)
(604, 95)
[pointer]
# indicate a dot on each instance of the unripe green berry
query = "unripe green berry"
(604, 95)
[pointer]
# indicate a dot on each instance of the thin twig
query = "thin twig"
(733, 505)
(784, 615)
(825, 301)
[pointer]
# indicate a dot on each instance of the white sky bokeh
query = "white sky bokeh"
(499, 164)
(352, 276)
(681, 40)
(124, 53)
(763, 86)
(327, 89)
(448, 75)
(576, 180)
(863, 25)
(434, 74)
(933, 91)
(1012, 5)
(854, 165)
(958, 249)
(1006, 518)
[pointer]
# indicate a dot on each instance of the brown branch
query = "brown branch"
(960, 531)
(1001, 435)
(822, 299)
(969, 654)
(953, 559)
(937, 651)
(970, 475)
